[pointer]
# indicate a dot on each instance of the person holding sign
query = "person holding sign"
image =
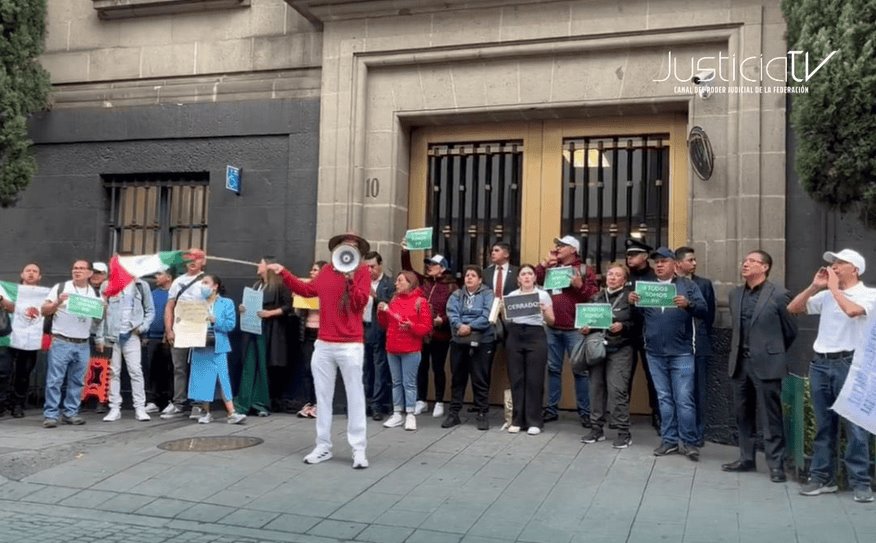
(27, 331)
(670, 346)
(562, 336)
(610, 380)
(527, 310)
(69, 353)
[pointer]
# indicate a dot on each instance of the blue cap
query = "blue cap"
(437, 259)
(663, 252)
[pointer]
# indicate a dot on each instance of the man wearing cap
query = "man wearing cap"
(670, 347)
(98, 275)
(844, 303)
(437, 286)
(640, 270)
(339, 346)
(562, 335)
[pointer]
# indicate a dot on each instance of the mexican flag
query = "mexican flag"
(124, 269)
(10, 292)
(27, 323)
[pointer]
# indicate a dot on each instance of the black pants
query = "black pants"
(468, 361)
(610, 389)
(23, 363)
(307, 345)
(157, 371)
(759, 401)
(434, 354)
(5, 379)
(526, 358)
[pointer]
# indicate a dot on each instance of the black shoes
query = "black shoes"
(549, 417)
(450, 421)
(75, 420)
(585, 422)
(666, 449)
(377, 415)
(482, 422)
(739, 466)
(17, 412)
(777, 475)
(692, 452)
(596, 435)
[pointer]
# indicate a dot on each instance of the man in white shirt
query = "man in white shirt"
(844, 303)
(184, 287)
(69, 353)
(27, 334)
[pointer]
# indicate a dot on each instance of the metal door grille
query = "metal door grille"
(474, 199)
(157, 212)
(613, 188)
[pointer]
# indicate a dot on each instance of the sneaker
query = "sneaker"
(863, 495)
(319, 454)
(17, 412)
(151, 408)
(410, 422)
(450, 420)
(513, 429)
(311, 412)
(263, 413)
(419, 407)
(814, 488)
(596, 435)
(101, 408)
(196, 413)
(549, 416)
(75, 420)
(359, 460)
(206, 418)
(235, 418)
(171, 412)
(142, 415)
(438, 411)
(50, 423)
(394, 421)
(113, 415)
(622, 441)
(303, 413)
(483, 422)
(666, 448)
(690, 451)
(533, 430)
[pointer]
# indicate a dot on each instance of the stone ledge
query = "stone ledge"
(122, 9)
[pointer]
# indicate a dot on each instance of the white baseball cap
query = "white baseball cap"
(571, 241)
(848, 255)
(99, 267)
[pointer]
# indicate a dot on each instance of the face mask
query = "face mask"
(206, 291)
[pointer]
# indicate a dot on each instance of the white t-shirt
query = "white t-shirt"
(64, 323)
(193, 293)
(836, 331)
(533, 320)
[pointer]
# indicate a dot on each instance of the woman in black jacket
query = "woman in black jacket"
(610, 380)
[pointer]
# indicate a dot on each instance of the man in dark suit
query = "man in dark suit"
(375, 376)
(763, 329)
(500, 272)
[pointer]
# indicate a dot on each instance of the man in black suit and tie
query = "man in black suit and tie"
(500, 275)
(763, 330)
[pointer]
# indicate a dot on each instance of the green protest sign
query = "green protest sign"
(84, 306)
(419, 239)
(593, 316)
(558, 278)
(655, 294)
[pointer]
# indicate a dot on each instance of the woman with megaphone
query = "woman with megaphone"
(343, 287)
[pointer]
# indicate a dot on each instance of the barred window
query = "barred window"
(157, 211)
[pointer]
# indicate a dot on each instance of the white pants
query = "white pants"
(131, 351)
(327, 359)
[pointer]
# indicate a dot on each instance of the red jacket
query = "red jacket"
(403, 308)
(564, 303)
(337, 324)
(437, 293)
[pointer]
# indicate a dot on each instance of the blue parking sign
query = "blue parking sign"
(232, 179)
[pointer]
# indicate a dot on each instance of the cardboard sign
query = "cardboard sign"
(522, 305)
(596, 316)
(419, 239)
(655, 294)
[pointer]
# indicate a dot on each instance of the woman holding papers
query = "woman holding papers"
(610, 380)
(526, 353)
(210, 363)
(310, 317)
(266, 352)
(407, 319)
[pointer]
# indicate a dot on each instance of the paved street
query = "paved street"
(109, 482)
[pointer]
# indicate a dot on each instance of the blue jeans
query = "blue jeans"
(560, 343)
(404, 368)
(70, 360)
(701, 371)
(673, 377)
(376, 377)
(826, 378)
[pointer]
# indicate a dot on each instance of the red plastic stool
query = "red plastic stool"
(96, 379)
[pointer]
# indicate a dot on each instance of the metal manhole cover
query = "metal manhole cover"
(208, 444)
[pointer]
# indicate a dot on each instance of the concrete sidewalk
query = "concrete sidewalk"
(109, 482)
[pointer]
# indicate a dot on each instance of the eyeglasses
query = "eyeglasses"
(752, 261)
(81, 268)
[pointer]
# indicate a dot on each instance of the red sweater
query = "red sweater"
(336, 324)
(403, 308)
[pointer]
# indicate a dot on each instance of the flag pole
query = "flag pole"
(232, 260)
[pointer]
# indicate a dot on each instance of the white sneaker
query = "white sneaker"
(533, 430)
(141, 414)
(236, 418)
(359, 460)
(319, 454)
(513, 429)
(171, 412)
(394, 421)
(196, 412)
(206, 418)
(410, 422)
(151, 408)
(420, 407)
(438, 412)
(113, 415)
